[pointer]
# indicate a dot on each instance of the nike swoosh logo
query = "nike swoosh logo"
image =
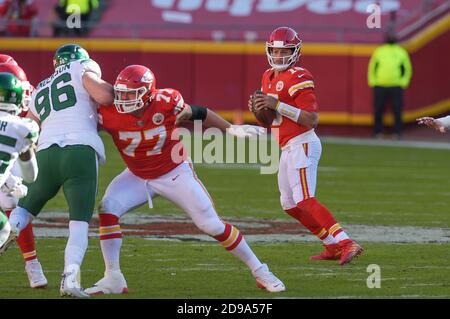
(174, 178)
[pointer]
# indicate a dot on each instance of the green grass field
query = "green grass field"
(368, 185)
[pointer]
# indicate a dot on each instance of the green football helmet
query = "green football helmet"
(68, 53)
(11, 93)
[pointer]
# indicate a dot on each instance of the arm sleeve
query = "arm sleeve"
(29, 168)
(198, 112)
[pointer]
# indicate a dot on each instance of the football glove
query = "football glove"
(246, 130)
(13, 187)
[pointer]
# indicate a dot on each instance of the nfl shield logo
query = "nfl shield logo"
(158, 118)
(280, 86)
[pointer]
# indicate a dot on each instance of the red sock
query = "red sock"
(305, 218)
(320, 212)
(109, 226)
(25, 241)
(230, 238)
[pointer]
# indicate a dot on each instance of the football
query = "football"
(264, 116)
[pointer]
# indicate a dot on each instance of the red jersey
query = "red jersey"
(295, 87)
(145, 143)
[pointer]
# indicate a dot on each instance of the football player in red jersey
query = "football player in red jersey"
(142, 124)
(26, 167)
(289, 90)
(4, 58)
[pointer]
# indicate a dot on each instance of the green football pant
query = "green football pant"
(73, 167)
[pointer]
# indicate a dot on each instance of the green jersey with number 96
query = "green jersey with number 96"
(67, 113)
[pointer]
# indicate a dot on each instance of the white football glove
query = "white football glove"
(246, 130)
(13, 187)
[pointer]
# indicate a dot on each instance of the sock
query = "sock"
(234, 242)
(25, 241)
(303, 216)
(76, 244)
(110, 241)
(325, 218)
(20, 218)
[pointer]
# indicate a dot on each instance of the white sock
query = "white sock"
(342, 236)
(111, 254)
(20, 218)
(76, 244)
(329, 240)
(33, 261)
(244, 253)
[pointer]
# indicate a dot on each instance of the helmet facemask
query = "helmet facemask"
(288, 60)
(127, 100)
(26, 100)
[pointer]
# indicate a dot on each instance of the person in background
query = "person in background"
(20, 16)
(65, 8)
(389, 73)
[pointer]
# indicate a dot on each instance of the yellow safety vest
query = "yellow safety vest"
(84, 5)
(389, 66)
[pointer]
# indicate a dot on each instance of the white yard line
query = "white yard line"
(364, 233)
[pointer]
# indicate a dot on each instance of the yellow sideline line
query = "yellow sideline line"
(232, 47)
(340, 118)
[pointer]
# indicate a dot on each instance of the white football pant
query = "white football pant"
(180, 186)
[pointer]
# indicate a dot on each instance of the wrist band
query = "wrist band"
(288, 111)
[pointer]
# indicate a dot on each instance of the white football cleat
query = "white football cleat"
(35, 274)
(112, 283)
(70, 284)
(266, 280)
(8, 236)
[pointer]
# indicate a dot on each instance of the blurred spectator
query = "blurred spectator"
(18, 18)
(65, 8)
(389, 74)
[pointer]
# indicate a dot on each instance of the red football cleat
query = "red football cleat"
(349, 250)
(331, 252)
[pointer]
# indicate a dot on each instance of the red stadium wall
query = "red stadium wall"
(214, 75)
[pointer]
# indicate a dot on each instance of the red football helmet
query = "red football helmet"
(134, 88)
(4, 58)
(284, 38)
(26, 86)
